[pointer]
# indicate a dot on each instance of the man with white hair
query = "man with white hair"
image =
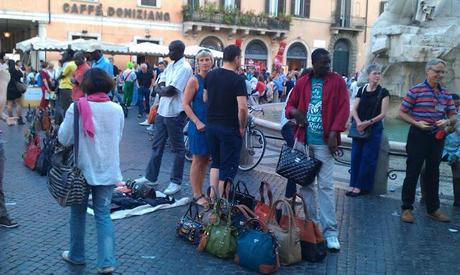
(429, 108)
(145, 81)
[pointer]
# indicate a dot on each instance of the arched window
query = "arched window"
(341, 58)
(297, 56)
(258, 53)
(212, 42)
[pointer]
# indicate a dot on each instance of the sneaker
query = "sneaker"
(146, 181)
(406, 216)
(150, 128)
(105, 270)
(139, 115)
(438, 216)
(172, 188)
(333, 243)
(8, 223)
(66, 257)
(144, 123)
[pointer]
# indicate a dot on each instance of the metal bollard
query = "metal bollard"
(381, 176)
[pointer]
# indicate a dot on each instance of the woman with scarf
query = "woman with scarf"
(100, 128)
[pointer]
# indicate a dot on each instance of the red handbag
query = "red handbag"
(262, 209)
(33, 151)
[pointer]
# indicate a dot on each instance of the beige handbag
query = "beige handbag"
(288, 239)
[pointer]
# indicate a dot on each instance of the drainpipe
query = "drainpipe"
(365, 21)
(49, 11)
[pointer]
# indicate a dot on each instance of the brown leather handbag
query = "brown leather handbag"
(262, 209)
(312, 243)
(288, 237)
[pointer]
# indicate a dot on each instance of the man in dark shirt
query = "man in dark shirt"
(227, 115)
(145, 83)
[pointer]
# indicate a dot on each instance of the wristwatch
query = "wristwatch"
(371, 120)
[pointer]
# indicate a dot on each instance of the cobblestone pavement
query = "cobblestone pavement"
(373, 239)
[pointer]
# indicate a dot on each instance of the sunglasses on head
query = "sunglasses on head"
(204, 51)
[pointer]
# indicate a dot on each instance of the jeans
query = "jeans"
(172, 127)
(364, 156)
(422, 146)
(321, 195)
(143, 100)
(225, 147)
(288, 134)
(102, 196)
(3, 212)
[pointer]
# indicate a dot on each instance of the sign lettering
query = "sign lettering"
(97, 10)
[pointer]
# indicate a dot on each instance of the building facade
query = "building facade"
(270, 32)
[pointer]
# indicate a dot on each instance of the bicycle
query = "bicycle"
(254, 145)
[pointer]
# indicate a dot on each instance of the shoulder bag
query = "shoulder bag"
(297, 166)
(66, 182)
(288, 237)
(262, 209)
(20, 87)
(312, 243)
(189, 226)
(255, 237)
(353, 131)
(239, 194)
(33, 152)
(221, 236)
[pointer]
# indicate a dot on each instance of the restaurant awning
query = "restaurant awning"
(148, 48)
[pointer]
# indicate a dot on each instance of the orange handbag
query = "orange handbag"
(32, 152)
(152, 114)
(262, 209)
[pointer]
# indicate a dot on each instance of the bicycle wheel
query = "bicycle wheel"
(253, 150)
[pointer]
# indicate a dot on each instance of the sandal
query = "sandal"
(200, 198)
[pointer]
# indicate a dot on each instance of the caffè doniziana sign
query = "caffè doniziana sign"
(98, 10)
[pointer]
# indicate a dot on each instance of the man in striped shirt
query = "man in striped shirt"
(429, 108)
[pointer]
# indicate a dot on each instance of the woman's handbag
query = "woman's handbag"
(189, 226)
(221, 236)
(297, 166)
(66, 182)
(312, 243)
(259, 240)
(33, 152)
(288, 237)
(262, 209)
(20, 87)
(353, 131)
(240, 195)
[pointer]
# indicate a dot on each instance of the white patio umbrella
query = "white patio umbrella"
(148, 48)
(91, 45)
(41, 44)
(191, 51)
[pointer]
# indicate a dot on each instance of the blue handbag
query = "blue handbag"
(257, 249)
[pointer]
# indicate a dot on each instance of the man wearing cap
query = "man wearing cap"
(170, 120)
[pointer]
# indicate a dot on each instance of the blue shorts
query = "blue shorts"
(225, 147)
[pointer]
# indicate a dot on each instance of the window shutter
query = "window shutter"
(281, 6)
(238, 4)
(293, 7)
(307, 9)
(267, 6)
(222, 4)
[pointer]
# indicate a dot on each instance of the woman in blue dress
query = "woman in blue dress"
(196, 110)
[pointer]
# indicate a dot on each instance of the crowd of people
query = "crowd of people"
(215, 101)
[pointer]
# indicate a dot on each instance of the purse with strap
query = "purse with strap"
(66, 182)
(297, 166)
(20, 87)
(255, 237)
(312, 243)
(288, 237)
(33, 152)
(262, 209)
(189, 227)
(239, 194)
(221, 236)
(353, 131)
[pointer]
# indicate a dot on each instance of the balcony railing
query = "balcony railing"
(237, 19)
(350, 22)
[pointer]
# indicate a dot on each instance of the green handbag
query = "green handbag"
(221, 238)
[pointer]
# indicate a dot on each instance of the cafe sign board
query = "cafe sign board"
(98, 10)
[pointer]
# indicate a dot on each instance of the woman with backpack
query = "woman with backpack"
(100, 128)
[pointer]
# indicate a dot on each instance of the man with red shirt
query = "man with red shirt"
(82, 67)
(319, 103)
